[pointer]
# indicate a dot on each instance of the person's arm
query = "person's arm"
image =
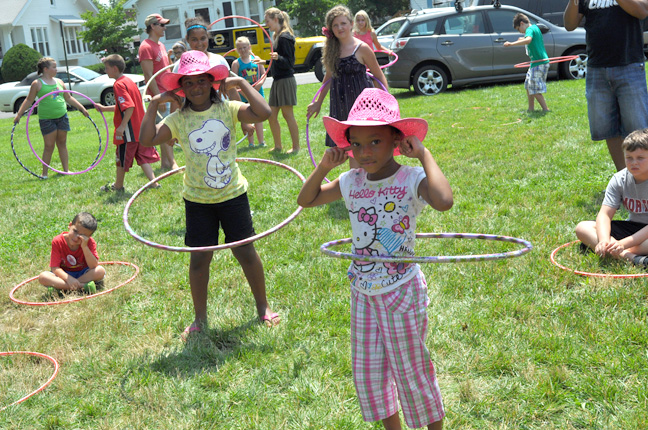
(150, 133)
(260, 72)
(435, 188)
(313, 193)
(257, 109)
(636, 8)
(520, 42)
(571, 17)
(119, 131)
(367, 57)
(630, 242)
(34, 88)
(377, 44)
(147, 70)
(102, 108)
(603, 228)
(313, 109)
(90, 258)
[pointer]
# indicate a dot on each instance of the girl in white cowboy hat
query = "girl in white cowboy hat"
(388, 300)
(215, 191)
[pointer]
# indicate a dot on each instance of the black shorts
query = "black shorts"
(622, 229)
(203, 221)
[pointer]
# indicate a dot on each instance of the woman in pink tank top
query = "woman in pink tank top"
(363, 30)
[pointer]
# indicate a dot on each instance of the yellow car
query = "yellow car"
(308, 50)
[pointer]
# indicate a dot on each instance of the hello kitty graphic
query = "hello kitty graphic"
(212, 138)
(364, 223)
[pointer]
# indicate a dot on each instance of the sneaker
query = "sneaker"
(641, 261)
(52, 292)
(262, 145)
(90, 287)
(251, 145)
(110, 188)
(99, 285)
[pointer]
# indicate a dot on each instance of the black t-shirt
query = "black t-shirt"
(614, 37)
(282, 67)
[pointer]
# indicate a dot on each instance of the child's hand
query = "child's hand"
(84, 240)
(313, 109)
(119, 132)
(333, 157)
(507, 43)
(604, 247)
(168, 96)
(73, 283)
(411, 147)
(231, 82)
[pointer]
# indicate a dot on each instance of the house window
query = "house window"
(239, 6)
(40, 42)
(203, 12)
(254, 11)
(172, 31)
(73, 42)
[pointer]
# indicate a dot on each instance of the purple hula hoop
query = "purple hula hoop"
(435, 259)
(246, 241)
(96, 162)
(310, 151)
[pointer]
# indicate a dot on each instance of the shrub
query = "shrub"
(18, 62)
(99, 68)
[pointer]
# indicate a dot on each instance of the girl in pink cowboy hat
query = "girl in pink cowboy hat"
(215, 191)
(388, 301)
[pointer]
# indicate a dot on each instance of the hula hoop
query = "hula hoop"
(242, 242)
(319, 91)
(144, 95)
(434, 259)
(262, 29)
(551, 60)
(18, 159)
(391, 63)
(97, 160)
(42, 387)
(76, 299)
(552, 257)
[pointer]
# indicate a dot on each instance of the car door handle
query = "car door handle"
(500, 40)
(447, 43)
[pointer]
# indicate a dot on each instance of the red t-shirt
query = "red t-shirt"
(127, 95)
(70, 261)
(149, 50)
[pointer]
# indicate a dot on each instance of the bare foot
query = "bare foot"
(270, 319)
(293, 151)
(275, 149)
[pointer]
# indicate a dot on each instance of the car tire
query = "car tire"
(108, 97)
(319, 69)
(430, 80)
(574, 69)
(18, 103)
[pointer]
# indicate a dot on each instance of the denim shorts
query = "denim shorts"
(203, 221)
(617, 100)
(48, 126)
(77, 274)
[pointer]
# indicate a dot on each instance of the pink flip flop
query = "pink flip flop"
(190, 329)
(271, 320)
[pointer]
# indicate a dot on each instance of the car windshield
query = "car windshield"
(390, 28)
(86, 74)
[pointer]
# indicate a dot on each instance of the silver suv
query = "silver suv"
(445, 47)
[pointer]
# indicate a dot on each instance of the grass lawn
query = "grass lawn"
(517, 344)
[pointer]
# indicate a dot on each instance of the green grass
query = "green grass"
(518, 344)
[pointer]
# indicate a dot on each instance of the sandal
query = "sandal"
(271, 320)
(111, 187)
(187, 331)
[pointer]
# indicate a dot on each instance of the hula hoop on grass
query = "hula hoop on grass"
(552, 257)
(319, 91)
(76, 299)
(242, 242)
(391, 63)
(97, 159)
(551, 60)
(42, 387)
(18, 159)
(262, 29)
(438, 258)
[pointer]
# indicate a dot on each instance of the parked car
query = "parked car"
(308, 50)
(85, 81)
(447, 47)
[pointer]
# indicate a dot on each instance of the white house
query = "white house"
(210, 10)
(47, 26)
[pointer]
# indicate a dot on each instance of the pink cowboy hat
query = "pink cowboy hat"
(193, 63)
(374, 107)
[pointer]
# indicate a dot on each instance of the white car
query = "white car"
(85, 81)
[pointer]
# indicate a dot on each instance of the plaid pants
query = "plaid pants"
(389, 355)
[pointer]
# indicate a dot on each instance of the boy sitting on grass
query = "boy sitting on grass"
(74, 262)
(626, 240)
(129, 112)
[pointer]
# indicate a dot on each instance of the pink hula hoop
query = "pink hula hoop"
(42, 387)
(552, 257)
(242, 242)
(264, 32)
(76, 299)
(96, 162)
(551, 60)
(391, 63)
(319, 91)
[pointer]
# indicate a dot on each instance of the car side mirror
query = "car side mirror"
(543, 28)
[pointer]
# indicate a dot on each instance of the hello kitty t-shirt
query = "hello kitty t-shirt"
(383, 220)
(212, 174)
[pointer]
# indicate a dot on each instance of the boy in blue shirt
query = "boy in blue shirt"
(536, 78)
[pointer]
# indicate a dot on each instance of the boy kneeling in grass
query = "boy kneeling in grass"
(626, 240)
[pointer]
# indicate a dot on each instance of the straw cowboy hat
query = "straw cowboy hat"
(193, 63)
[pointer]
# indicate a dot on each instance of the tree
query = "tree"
(309, 14)
(379, 11)
(18, 62)
(109, 31)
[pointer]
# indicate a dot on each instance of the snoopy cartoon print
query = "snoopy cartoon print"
(364, 224)
(212, 138)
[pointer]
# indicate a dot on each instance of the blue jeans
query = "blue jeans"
(617, 100)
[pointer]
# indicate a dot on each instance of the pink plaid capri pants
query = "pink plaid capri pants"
(389, 355)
